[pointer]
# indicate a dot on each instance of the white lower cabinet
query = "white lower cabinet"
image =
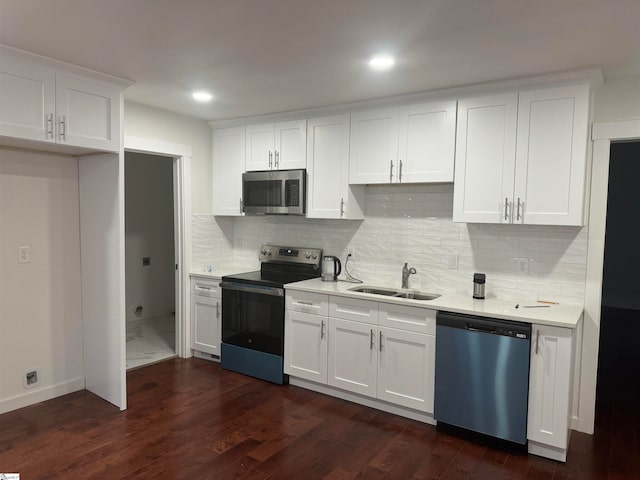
(406, 368)
(353, 356)
(550, 382)
(348, 346)
(306, 346)
(206, 316)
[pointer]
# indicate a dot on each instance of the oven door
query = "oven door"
(253, 317)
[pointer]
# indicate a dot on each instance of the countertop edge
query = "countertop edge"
(565, 316)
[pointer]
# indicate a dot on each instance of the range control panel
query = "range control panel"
(302, 255)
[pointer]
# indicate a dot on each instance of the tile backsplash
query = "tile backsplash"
(413, 223)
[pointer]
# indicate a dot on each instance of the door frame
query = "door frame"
(181, 155)
(602, 135)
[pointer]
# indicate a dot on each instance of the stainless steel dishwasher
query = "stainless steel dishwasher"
(482, 375)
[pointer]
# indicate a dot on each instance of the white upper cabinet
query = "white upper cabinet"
(329, 194)
(521, 158)
(38, 102)
(551, 151)
(88, 113)
(427, 142)
(485, 152)
(228, 165)
(276, 146)
(408, 144)
(27, 100)
(374, 146)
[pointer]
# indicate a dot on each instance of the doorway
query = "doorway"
(618, 384)
(150, 258)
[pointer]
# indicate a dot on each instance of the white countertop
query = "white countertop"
(218, 273)
(568, 316)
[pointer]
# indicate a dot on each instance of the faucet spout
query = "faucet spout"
(406, 271)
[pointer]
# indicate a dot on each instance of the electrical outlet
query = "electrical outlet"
(24, 254)
(353, 255)
(452, 263)
(522, 265)
(31, 378)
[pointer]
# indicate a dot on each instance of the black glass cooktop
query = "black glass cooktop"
(272, 278)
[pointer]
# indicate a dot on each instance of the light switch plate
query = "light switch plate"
(24, 254)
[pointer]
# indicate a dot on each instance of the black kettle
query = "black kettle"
(331, 268)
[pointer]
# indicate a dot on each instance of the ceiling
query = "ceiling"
(268, 56)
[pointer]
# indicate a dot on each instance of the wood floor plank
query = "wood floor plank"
(189, 419)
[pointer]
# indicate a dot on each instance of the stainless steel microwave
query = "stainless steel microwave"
(275, 192)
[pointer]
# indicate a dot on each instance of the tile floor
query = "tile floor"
(150, 340)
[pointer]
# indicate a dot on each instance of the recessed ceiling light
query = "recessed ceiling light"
(202, 96)
(381, 62)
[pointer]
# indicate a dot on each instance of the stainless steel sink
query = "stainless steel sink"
(388, 292)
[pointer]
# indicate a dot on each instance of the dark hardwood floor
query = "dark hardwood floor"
(189, 419)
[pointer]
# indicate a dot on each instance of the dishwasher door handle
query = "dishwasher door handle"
(477, 328)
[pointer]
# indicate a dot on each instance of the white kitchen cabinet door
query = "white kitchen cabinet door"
(551, 155)
(305, 346)
(485, 159)
(426, 145)
(27, 100)
(328, 192)
(550, 381)
(406, 368)
(259, 147)
(353, 356)
(228, 166)
(290, 145)
(206, 324)
(374, 147)
(87, 113)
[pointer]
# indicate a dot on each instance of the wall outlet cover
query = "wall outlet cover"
(522, 265)
(31, 378)
(24, 254)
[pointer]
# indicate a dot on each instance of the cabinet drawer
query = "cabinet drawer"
(307, 302)
(413, 319)
(353, 309)
(205, 287)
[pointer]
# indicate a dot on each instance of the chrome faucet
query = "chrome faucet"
(405, 275)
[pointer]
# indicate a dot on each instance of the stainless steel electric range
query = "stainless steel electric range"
(253, 311)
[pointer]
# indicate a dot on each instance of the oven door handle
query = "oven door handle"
(259, 289)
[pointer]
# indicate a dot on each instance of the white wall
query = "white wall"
(149, 232)
(618, 99)
(148, 122)
(40, 301)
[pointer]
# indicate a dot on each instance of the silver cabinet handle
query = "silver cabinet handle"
(341, 207)
(270, 158)
(518, 209)
(322, 329)
(506, 203)
(49, 119)
(241, 206)
(400, 172)
(391, 172)
(308, 304)
(371, 340)
(537, 340)
(63, 128)
(277, 161)
(217, 309)
(380, 340)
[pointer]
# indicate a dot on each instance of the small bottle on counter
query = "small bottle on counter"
(479, 279)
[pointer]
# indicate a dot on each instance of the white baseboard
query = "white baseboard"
(547, 451)
(40, 395)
